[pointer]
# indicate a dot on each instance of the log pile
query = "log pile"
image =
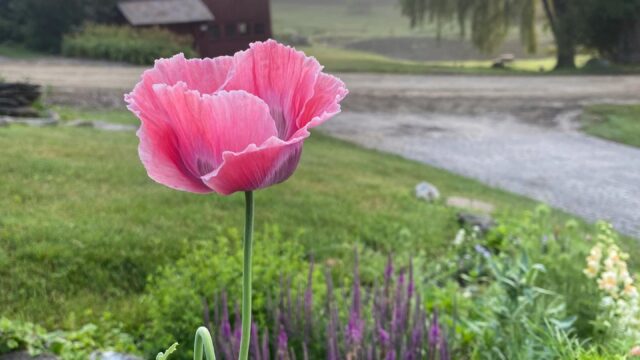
(16, 99)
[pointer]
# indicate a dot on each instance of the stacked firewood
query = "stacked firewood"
(17, 99)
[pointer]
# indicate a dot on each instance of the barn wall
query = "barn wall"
(225, 35)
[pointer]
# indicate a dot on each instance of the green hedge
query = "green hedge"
(126, 44)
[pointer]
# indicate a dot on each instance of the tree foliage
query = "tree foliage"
(489, 21)
(40, 24)
(612, 28)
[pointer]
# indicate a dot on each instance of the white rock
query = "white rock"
(427, 191)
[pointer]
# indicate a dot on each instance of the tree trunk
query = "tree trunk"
(565, 52)
(560, 19)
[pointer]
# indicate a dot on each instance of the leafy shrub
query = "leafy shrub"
(524, 294)
(67, 345)
(175, 293)
(126, 44)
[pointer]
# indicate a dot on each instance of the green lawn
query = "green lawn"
(113, 116)
(619, 123)
(81, 225)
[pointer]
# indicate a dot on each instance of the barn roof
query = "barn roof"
(160, 12)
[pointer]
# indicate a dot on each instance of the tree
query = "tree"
(490, 21)
(613, 29)
(40, 24)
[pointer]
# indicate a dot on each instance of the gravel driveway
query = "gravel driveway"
(518, 133)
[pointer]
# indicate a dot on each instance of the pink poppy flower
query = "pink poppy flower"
(231, 123)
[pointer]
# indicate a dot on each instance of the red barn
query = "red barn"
(218, 27)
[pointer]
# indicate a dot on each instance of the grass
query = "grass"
(345, 60)
(113, 116)
(82, 226)
(334, 20)
(620, 123)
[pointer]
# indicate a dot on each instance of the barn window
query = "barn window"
(243, 28)
(214, 32)
(259, 29)
(231, 30)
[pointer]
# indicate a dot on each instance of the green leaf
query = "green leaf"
(169, 351)
(12, 344)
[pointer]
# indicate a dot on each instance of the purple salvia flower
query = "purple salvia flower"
(391, 355)
(205, 313)
(388, 270)
(332, 325)
(308, 304)
(265, 344)
(225, 336)
(411, 286)
(255, 342)
(444, 348)
(434, 335)
(286, 315)
(225, 327)
(417, 333)
(283, 352)
(355, 327)
(383, 336)
(237, 329)
(357, 302)
(399, 312)
(216, 310)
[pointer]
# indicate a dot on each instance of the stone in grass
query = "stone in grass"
(112, 355)
(23, 355)
(427, 191)
(34, 122)
(102, 125)
(107, 126)
(470, 204)
(79, 123)
(483, 222)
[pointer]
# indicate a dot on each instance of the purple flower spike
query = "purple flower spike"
(226, 325)
(411, 286)
(265, 344)
(383, 336)
(255, 342)
(308, 304)
(388, 271)
(355, 327)
(391, 355)
(283, 345)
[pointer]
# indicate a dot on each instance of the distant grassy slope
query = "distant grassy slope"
(619, 123)
(335, 20)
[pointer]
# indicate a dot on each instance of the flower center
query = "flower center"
(204, 167)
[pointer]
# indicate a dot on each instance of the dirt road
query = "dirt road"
(514, 132)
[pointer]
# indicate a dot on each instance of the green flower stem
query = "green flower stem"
(203, 342)
(203, 337)
(246, 278)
